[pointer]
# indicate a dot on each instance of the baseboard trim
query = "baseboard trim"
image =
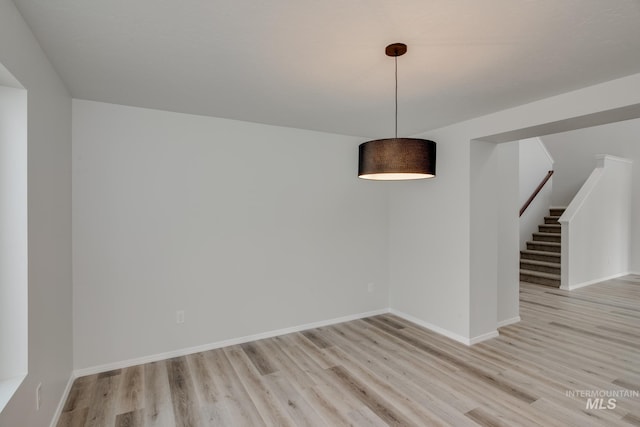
(484, 337)
(593, 282)
(508, 322)
(219, 344)
(439, 330)
(63, 400)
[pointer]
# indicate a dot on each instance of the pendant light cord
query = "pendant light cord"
(396, 60)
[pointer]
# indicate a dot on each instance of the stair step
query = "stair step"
(547, 237)
(550, 228)
(544, 246)
(551, 219)
(540, 256)
(540, 266)
(539, 278)
(540, 262)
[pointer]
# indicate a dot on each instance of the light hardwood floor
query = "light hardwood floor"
(386, 371)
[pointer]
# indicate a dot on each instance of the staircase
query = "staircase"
(540, 262)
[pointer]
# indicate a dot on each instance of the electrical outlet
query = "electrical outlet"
(371, 287)
(38, 396)
(180, 316)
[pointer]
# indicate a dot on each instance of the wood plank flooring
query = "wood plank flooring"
(385, 371)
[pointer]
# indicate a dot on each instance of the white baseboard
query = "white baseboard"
(593, 282)
(507, 322)
(211, 346)
(63, 400)
(437, 329)
(444, 332)
(483, 337)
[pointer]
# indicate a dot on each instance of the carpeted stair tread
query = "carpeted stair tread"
(531, 254)
(541, 236)
(544, 243)
(540, 266)
(534, 252)
(540, 278)
(540, 274)
(540, 263)
(544, 246)
(551, 220)
(550, 228)
(557, 211)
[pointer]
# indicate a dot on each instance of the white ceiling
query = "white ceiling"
(320, 64)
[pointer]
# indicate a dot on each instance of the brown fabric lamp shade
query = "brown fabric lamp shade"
(393, 159)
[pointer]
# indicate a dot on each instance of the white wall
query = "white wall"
(429, 243)
(574, 155)
(13, 234)
(508, 288)
(535, 163)
(247, 228)
(596, 226)
(439, 274)
(49, 222)
(484, 213)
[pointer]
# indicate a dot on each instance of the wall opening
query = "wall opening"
(506, 273)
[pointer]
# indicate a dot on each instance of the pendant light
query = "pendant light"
(393, 159)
